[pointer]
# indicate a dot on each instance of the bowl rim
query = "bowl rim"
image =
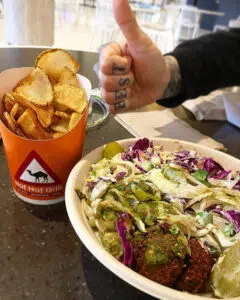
(128, 275)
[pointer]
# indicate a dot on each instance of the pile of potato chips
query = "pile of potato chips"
(49, 102)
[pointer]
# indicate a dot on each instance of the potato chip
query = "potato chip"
(2, 110)
(62, 115)
(61, 126)
(47, 103)
(9, 102)
(75, 118)
(31, 127)
(53, 61)
(57, 135)
(35, 88)
(55, 120)
(68, 77)
(5, 117)
(9, 121)
(71, 96)
(14, 111)
(44, 114)
(59, 107)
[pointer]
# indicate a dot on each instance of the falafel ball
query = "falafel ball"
(155, 258)
(199, 268)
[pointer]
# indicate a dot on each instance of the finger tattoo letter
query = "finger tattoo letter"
(120, 105)
(124, 81)
(119, 95)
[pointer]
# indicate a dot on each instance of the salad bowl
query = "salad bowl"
(75, 209)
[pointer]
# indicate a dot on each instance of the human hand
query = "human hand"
(134, 73)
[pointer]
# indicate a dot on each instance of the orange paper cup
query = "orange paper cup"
(39, 169)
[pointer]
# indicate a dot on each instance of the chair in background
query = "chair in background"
(105, 29)
(234, 23)
(189, 23)
(218, 27)
(70, 12)
(163, 29)
(143, 16)
(102, 36)
(163, 39)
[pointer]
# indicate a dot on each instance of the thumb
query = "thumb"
(127, 21)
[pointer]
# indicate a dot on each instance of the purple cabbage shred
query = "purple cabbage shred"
(137, 149)
(186, 160)
(121, 175)
(232, 216)
(123, 227)
(214, 169)
(140, 169)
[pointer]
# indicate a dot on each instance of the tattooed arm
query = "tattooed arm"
(175, 86)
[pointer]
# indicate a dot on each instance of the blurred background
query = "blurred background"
(86, 24)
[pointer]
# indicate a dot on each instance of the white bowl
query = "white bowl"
(89, 239)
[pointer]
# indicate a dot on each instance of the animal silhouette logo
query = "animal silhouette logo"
(38, 175)
(35, 171)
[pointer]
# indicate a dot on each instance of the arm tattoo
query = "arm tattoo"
(124, 81)
(119, 95)
(174, 87)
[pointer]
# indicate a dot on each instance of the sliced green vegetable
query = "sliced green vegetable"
(109, 215)
(143, 210)
(118, 206)
(147, 165)
(172, 188)
(229, 230)
(80, 194)
(156, 160)
(144, 192)
(174, 175)
(179, 249)
(111, 149)
(175, 230)
(213, 250)
(204, 218)
(200, 175)
(165, 185)
(99, 190)
(100, 169)
(149, 212)
(112, 243)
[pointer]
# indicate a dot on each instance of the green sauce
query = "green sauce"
(180, 249)
(154, 256)
(112, 243)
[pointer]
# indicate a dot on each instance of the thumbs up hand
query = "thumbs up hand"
(134, 73)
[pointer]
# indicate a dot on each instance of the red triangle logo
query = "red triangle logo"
(35, 171)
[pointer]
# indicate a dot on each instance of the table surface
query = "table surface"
(40, 255)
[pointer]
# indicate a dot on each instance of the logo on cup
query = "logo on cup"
(35, 178)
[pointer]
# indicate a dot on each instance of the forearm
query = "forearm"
(207, 63)
(175, 86)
